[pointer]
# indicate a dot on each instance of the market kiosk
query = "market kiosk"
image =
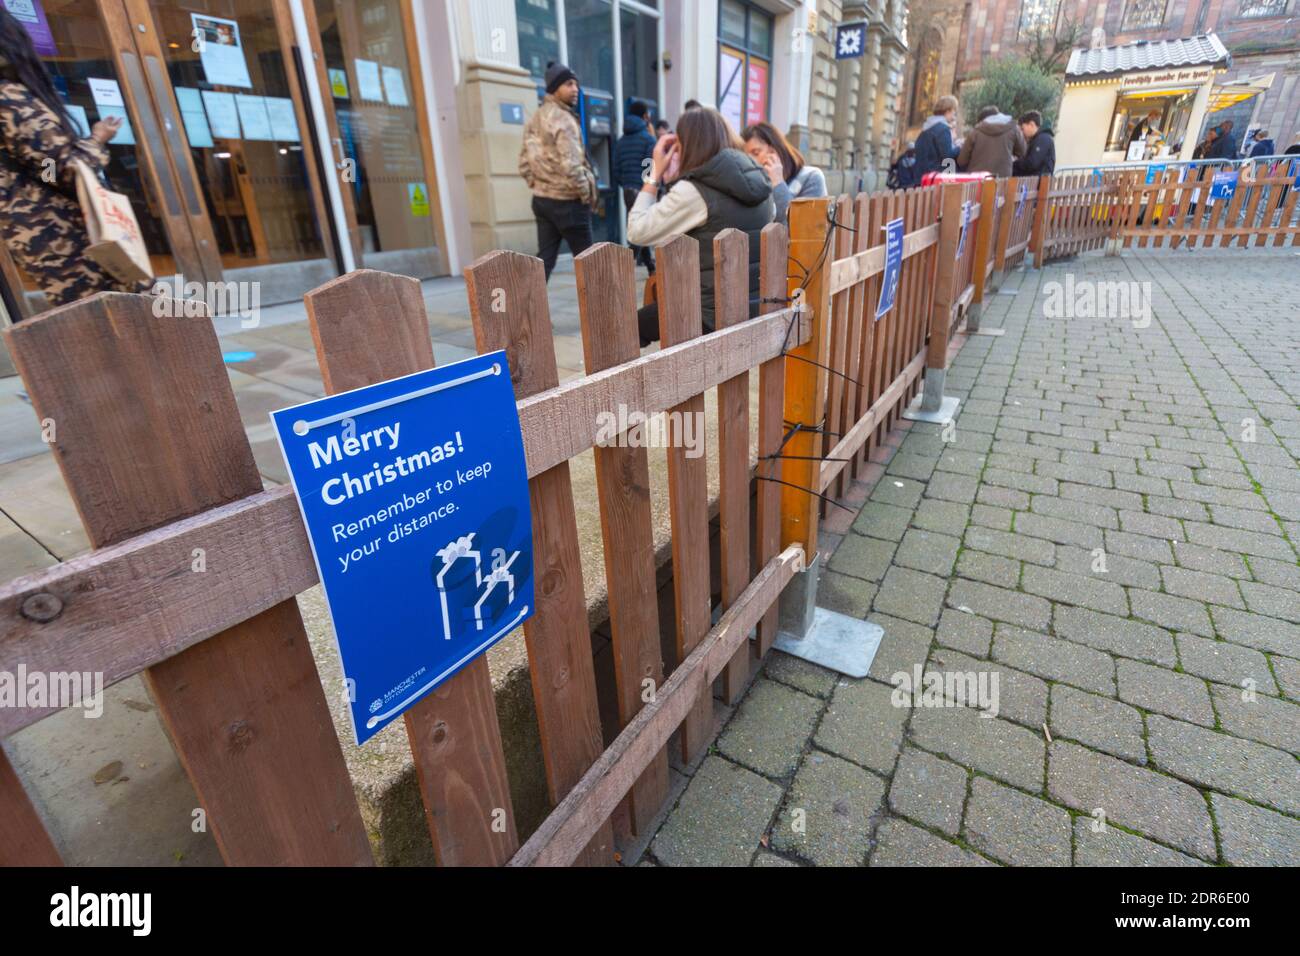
(1138, 101)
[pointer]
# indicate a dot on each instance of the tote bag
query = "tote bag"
(116, 244)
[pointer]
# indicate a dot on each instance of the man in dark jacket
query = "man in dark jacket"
(1225, 146)
(1040, 147)
(935, 150)
(631, 162)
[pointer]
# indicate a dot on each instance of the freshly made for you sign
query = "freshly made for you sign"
(414, 493)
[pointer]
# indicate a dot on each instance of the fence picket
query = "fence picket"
(771, 396)
(507, 298)
(24, 840)
(370, 327)
(148, 433)
(731, 278)
(607, 313)
(678, 268)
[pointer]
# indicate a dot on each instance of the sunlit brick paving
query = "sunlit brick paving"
(1102, 556)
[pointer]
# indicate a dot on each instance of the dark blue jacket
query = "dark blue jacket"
(1225, 147)
(933, 146)
(633, 147)
(1263, 147)
(903, 174)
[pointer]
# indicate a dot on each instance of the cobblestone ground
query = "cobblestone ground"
(1112, 531)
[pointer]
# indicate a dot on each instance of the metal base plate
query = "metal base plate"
(835, 641)
(987, 332)
(946, 411)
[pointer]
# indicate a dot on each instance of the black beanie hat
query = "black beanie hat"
(557, 74)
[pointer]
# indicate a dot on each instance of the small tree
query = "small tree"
(1048, 48)
(1014, 86)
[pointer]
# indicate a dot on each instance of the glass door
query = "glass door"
(231, 74)
(375, 108)
(87, 47)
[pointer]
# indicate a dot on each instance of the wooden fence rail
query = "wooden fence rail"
(152, 449)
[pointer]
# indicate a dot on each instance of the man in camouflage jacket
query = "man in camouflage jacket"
(555, 166)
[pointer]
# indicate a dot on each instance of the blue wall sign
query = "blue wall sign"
(414, 493)
(1224, 185)
(893, 266)
(850, 40)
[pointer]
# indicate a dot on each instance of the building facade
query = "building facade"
(954, 38)
(286, 142)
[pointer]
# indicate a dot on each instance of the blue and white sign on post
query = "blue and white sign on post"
(414, 493)
(965, 221)
(893, 267)
(1021, 195)
(850, 40)
(1224, 185)
(1154, 171)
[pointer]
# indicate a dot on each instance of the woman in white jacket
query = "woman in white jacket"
(792, 178)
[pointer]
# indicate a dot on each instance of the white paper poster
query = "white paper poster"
(220, 51)
(284, 124)
(395, 86)
(253, 117)
(730, 103)
(108, 98)
(194, 118)
(223, 116)
(368, 85)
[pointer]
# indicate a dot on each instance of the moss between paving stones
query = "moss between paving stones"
(830, 812)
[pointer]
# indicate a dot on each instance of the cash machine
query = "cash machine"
(596, 114)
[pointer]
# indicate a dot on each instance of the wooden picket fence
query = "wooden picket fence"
(1177, 206)
(1078, 215)
(153, 452)
(1119, 209)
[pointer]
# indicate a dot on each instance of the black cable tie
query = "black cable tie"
(804, 457)
(820, 365)
(817, 494)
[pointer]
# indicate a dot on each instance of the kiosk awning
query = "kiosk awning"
(1229, 94)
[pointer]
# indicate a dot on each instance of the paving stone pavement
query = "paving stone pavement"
(1112, 533)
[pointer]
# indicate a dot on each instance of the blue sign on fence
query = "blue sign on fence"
(893, 267)
(965, 221)
(1021, 196)
(1154, 171)
(1224, 185)
(414, 493)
